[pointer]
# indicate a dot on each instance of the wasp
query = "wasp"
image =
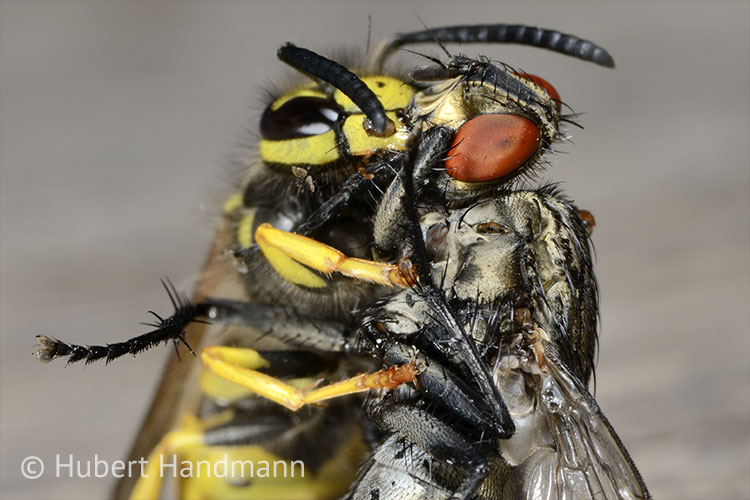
(329, 176)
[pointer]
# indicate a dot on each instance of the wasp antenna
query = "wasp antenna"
(344, 80)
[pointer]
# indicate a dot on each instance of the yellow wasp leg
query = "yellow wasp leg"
(238, 365)
(149, 484)
(387, 378)
(229, 363)
(324, 258)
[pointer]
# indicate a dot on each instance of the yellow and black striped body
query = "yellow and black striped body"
(316, 130)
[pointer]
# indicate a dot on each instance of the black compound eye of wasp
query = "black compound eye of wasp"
(496, 322)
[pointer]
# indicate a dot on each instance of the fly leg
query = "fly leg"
(357, 185)
(443, 389)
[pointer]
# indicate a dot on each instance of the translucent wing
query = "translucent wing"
(565, 447)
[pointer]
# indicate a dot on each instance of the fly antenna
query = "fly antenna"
(554, 40)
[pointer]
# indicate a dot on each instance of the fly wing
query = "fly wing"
(587, 458)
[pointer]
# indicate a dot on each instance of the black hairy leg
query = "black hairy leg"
(452, 334)
(167, 329)
(278, 322)
(377, 173)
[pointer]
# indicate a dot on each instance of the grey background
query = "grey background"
(115, 121)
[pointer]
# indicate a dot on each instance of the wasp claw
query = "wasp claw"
(49, 349)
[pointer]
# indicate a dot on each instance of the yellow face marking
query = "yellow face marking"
(362, 144)
(392, 93)
(312, 150)
(321, 149)
(245, 230)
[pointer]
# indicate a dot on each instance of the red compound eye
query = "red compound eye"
(552, 91)
(491, 146)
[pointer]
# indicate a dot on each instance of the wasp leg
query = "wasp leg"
(281, 323)
(297, 365)
(253, 430)
(149, 485)
(239, 365)
(436, 438)
(286, 252)
(277, 322)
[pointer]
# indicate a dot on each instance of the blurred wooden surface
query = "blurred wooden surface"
(114, 122)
